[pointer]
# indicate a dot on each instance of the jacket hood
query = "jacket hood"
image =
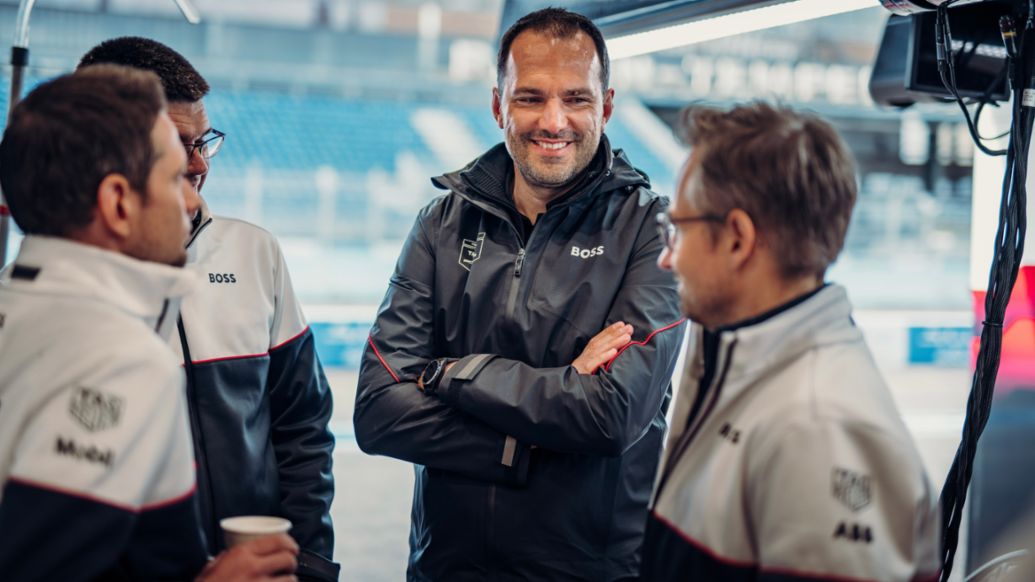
(487, 176)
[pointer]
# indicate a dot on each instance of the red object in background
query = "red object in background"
(1017, 365)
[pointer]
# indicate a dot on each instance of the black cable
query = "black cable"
(947, 72)
(1006, 262)
(986, 99)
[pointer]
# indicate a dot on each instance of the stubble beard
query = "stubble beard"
(545, 175)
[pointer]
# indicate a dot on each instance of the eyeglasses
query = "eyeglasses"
(668, 225)
(208, 145)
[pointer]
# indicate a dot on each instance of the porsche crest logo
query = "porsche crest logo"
(95, 410)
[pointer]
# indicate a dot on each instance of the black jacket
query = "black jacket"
(487, 505)
(258, 398)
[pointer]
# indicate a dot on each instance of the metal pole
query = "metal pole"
(19, 60)
(188, 11)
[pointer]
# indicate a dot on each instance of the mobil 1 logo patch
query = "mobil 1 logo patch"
(95, 410)
(471, 250)
(68, 447)
(852, 489)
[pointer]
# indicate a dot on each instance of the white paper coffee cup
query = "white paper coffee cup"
(243, 528)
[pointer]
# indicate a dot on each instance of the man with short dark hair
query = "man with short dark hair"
(788, 459)
(523, 353)
(258, 400)
(96, 469)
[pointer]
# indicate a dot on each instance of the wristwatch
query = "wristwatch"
(432, 375)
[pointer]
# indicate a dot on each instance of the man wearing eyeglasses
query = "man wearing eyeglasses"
(787, 459)
(258, 399)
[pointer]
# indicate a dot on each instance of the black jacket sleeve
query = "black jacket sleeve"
(604, 413)
(391, 416)
(300, 408)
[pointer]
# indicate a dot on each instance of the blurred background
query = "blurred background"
(337, 113)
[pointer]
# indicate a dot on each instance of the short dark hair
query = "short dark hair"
(556, 23)
(70, 133)
(182, 82)
(789, 171)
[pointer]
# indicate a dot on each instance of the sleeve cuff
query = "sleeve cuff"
(316, 568)
(464, 370)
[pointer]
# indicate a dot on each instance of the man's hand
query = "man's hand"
(267, 559)
(603, 347)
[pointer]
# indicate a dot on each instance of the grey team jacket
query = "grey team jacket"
(517, 312)
(96, 468)
(793, 463)
(259, 401)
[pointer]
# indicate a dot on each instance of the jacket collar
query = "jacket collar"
(488, 176)
(139, 288)
(763, 344)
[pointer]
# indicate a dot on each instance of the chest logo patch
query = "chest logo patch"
(471, 250)
(95, 410)
(587, 253)
(851, 489)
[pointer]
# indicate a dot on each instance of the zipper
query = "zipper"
(515, 283)
(197, 232)
(204, 490)
(161, 316)
(695, 424)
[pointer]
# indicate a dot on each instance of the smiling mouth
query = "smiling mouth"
(552, 146)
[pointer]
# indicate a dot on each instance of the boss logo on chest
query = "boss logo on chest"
(221, 278)
(587, 253)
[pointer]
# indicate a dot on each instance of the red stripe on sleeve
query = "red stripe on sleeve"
(607, 366)
(383, 362)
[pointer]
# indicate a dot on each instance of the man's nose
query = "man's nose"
(554, 118)
(197, 165)
(665, 259)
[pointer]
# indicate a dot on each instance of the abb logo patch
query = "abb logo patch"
(587, 253)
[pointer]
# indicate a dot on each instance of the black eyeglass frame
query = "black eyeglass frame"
(667, 225)
(214, 135)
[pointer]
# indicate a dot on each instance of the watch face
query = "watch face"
(429, 377)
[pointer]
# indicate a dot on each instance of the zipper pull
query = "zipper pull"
(520, 262)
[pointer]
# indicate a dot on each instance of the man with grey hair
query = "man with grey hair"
(787, 459)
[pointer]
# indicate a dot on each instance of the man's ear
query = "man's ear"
(497, 107)
(117, 205)
(609, 104)
(742, 243)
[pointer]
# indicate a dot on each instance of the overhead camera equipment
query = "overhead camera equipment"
(979, 52)
(906, 70)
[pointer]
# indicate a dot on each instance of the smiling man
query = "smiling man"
(258, 399)
(788, 460)
(523, 353)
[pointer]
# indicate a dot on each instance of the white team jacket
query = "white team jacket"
(797, 464)
(96, 465)
(258, 400)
